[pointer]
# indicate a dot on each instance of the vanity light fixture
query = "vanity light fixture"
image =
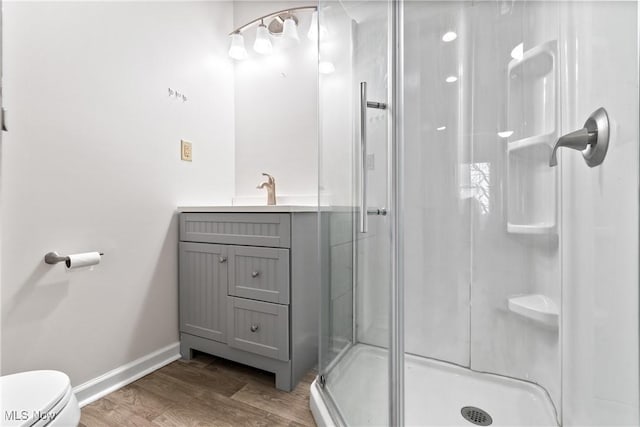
(283, 26)
(262, 45)
(237, 50)
(290, 32)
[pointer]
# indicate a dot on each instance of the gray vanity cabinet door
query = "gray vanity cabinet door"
(203, 290)
(259, 273)
(259, 327)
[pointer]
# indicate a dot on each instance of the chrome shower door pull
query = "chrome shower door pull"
(364, 104)
(377, 211)
(592, 140)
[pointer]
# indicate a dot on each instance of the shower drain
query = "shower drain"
(476, 416)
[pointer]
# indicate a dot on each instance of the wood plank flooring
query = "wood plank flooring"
(205, 391)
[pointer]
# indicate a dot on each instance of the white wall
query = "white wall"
(601, 381)
(91, 162)
(276, 101)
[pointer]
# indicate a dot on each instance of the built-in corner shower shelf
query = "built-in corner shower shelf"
(527, 157)
(531, 186)
(536, 307)
(538, 60)
(532, 116)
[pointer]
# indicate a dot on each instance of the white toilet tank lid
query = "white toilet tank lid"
(28, 397)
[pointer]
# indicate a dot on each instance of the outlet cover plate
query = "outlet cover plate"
(186, 153)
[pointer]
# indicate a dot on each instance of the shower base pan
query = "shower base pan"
(435, 394)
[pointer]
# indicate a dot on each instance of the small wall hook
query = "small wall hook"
(176, 94)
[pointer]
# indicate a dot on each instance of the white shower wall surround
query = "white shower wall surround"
(485, 218)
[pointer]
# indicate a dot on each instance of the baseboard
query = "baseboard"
(117, 378)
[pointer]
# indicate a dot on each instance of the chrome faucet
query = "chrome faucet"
(270, 185)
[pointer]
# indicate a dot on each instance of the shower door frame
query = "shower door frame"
(394, 201)
(395, 185)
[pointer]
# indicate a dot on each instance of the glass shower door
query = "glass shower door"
(519, 270)
(354, 199)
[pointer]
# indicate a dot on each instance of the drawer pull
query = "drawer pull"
(222, 259)
(254, 328)
(255, 274)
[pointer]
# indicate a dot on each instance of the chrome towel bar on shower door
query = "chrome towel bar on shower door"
(364, 104)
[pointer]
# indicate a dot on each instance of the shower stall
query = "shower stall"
(479, 211)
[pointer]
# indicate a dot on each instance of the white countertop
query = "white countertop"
(252, 208)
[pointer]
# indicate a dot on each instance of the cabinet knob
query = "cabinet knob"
(254, 328)
(222, 259)
(255, 274)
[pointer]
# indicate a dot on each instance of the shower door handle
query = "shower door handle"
(364, 104)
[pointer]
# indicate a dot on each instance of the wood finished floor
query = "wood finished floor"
(205, 391)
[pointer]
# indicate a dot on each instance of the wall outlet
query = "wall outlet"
(185, 151)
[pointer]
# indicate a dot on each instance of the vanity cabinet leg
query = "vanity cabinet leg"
(186, 351)
(283, 381)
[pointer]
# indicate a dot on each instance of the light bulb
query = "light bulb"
(451, 79)
(313, 28)
(290, 33)
(505, 133)
(262, 44)
(237, 50)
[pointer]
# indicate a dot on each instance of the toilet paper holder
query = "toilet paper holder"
(54, 257)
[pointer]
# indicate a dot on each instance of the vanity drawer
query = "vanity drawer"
(258, 327)
(259, 229)
(259, 273)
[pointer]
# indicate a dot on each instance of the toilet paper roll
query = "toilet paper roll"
(83, 260)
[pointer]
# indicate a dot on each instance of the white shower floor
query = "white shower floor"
(435, 392)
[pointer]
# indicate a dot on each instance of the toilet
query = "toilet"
(37, 399)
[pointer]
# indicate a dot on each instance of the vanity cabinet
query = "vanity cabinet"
(249, 289)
